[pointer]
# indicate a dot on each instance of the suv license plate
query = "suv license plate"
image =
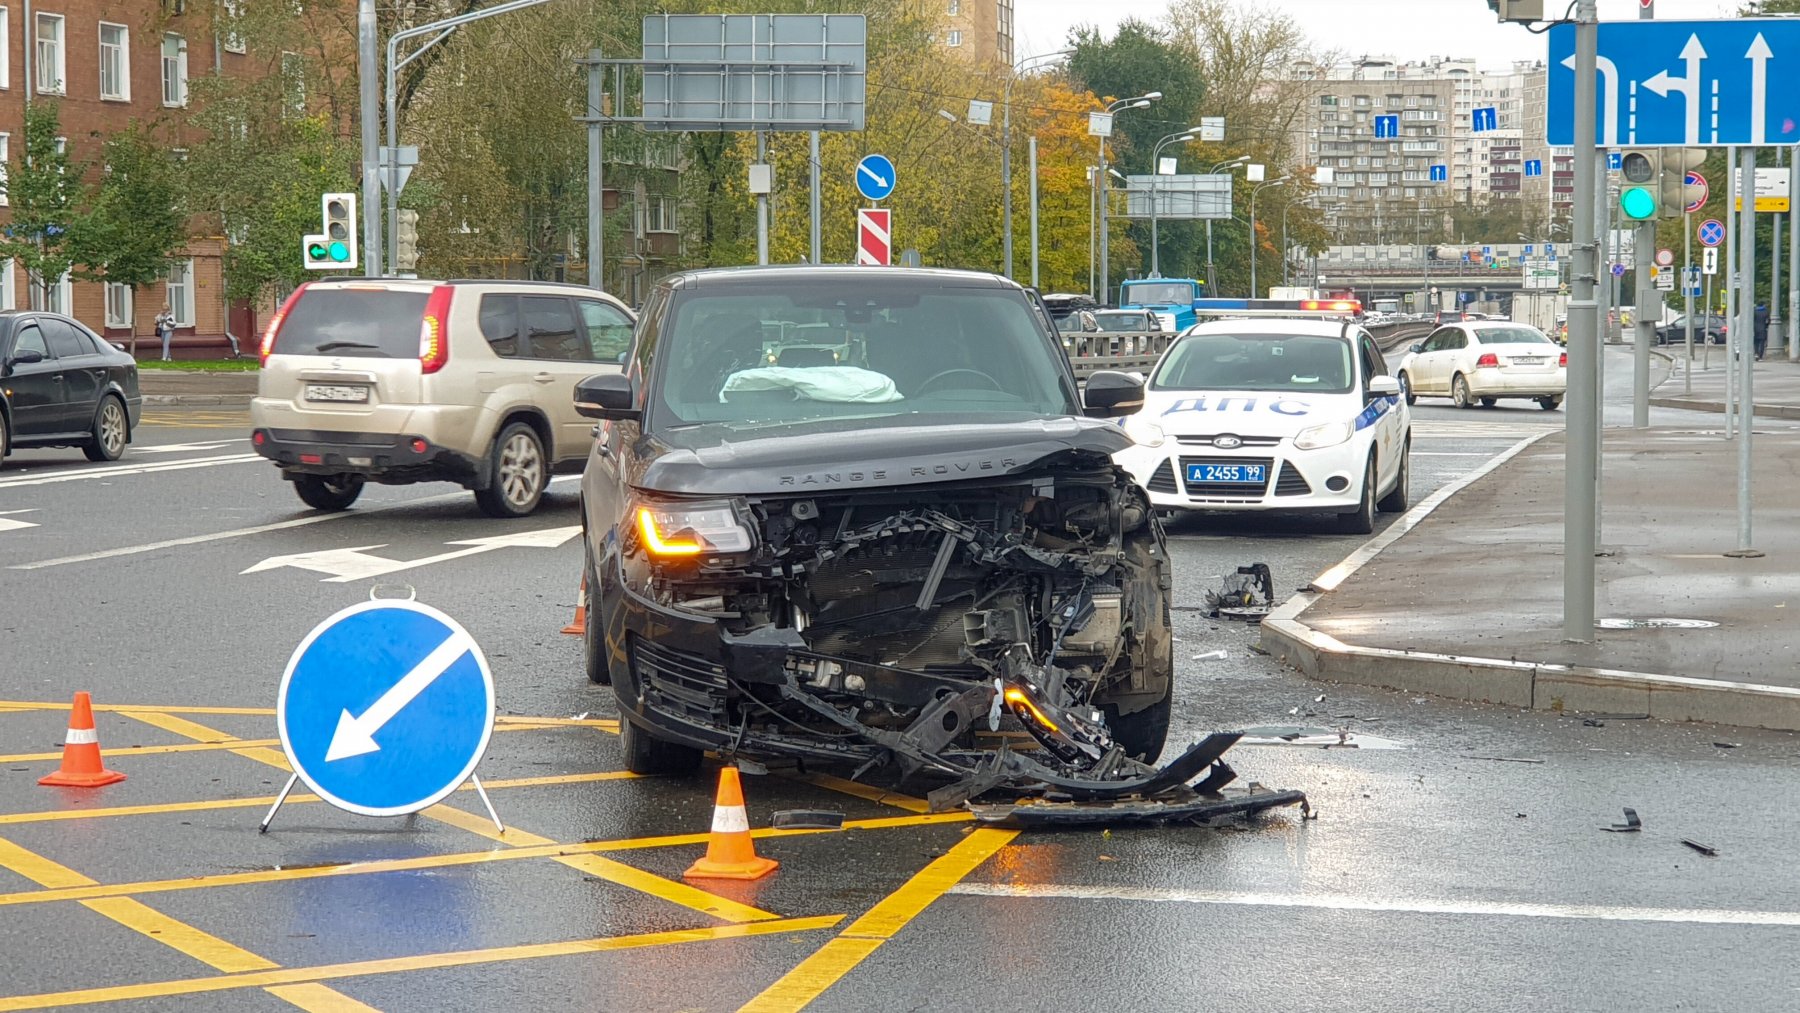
(1245, 474)
(358, 395)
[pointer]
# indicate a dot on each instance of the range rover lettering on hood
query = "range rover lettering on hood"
(916, 471)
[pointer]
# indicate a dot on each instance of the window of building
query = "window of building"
(174, 71)
(661, 213)
(955, 8)
(1328, 100)
(115, 62)
(293, 83)
(7, 300)
(58, 300)
(50, 53)
(5, 48)
(5, 167)
(181, 292)
(118, 305)
(231, 38)
(1362, 101)
(954, 38)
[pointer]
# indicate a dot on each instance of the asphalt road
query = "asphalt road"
(1457, 860)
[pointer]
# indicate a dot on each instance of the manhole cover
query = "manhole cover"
(1655, 624)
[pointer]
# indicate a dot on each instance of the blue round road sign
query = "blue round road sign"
(386, 707)
(1712, 232)
(875, 177)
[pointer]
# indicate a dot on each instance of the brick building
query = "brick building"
(979, 30)
(106, 64)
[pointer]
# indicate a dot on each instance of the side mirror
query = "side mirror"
(1419, 347)
(1111, 394)
(24, 358)
(606, 396)
(1383, 386)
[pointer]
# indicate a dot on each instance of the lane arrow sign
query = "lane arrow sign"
(356, 735)
(1609, 79)
(8, 524)
(1689, 86)
(358, 563)
(1759, 56)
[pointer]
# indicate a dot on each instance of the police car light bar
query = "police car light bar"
(1327, 309)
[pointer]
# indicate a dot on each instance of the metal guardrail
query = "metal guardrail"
(1091, 353)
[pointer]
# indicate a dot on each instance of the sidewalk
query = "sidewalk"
(1463, 596)
(1776, 384)
(164, 387)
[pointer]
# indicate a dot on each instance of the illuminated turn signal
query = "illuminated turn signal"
(654, 541)
(1017, 698)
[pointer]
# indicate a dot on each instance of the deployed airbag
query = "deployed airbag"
(842, 384)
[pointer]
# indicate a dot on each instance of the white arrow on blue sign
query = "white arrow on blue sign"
(1534, 167)
(1684, 83)
(1484, 119)
(1440, 173)
(386, 707)
(875, 177)
(1387, 126)
(1615, 160)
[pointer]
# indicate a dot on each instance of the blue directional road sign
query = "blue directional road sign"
(875, 177)
(1693, 281)
(1615, 160)
(386, 707)
(1534, 167)
(1387, 126)
(1484, 119)
(1711, 232)
(1440, 174)
(1528, 248)
(1684, 83)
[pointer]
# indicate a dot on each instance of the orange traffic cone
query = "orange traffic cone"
(730, 853)
(81, 764)
(578, 625)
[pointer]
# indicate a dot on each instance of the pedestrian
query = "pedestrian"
(165, 329)
(1760, 330)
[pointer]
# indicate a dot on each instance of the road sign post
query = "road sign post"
(1579, 501)
(385, 708)
(1743, 330)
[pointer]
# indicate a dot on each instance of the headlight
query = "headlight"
(689, 529)
(1144, 431)
(1328, 435)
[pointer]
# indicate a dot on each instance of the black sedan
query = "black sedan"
(1709, 328)
(62, 385)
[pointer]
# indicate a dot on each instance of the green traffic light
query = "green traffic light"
(1638, 203)
(316, 251)
(340, 252)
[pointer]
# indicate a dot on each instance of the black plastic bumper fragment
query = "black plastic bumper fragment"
(1193, 808)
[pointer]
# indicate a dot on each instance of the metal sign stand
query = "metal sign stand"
(293, 779)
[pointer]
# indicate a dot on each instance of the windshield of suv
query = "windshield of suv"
(1289, 362)
(378, 323)
(1167, 293)
(890, 352)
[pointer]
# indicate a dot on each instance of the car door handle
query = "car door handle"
(544, 378)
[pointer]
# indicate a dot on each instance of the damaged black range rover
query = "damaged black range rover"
(864, 517)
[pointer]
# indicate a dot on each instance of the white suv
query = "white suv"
(399, 381)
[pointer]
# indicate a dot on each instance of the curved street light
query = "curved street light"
(1117, 106)
(1254, 245)
(1155, 174)
(1211, 281)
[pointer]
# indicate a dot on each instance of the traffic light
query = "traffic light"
(1674, 195)
(406, 240)
(1642, 171)
(1518, 10)
(335, 248)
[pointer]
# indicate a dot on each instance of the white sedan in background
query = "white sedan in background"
(1482, 361)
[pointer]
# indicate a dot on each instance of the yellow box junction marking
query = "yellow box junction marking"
(800, 986)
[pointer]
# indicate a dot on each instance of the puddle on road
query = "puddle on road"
(1296, 735)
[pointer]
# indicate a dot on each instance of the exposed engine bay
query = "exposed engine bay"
(1008, 633)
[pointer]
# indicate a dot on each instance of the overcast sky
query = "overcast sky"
(1408, 29)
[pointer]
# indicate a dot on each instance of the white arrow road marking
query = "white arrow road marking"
(358, 563)
(356, 735)
(1759, 56)
(872, 175)
(7, 524)
(1609, 75)
(178, 448)
(1688, 86)
(116, 471)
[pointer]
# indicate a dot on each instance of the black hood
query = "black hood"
(870, 458)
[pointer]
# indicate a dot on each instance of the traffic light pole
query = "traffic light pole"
(367, 85)
(1742, 329)
(1584, 348)
(1648, 301)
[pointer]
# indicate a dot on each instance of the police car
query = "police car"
(1274, 405)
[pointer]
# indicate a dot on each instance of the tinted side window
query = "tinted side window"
(1456, 340)
(64, 342)
(608, 330)
(30, 339)
(1372, 363)
(500, 324)
(1435, 343)
(550, 329)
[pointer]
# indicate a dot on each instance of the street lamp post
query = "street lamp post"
(1006, 152)
(1135, 102)
(1155, 174)
(1259, 188)
(1211, 282)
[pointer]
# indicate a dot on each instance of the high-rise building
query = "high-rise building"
(980, 31)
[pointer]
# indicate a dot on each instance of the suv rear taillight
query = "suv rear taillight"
(268, 338)
(434, 337)
(1488, 360)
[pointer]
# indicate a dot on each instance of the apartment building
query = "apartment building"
(980, 31)
(106, 64)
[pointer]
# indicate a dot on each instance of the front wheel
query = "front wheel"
(1400, 495)
(517, 473)
(1361, 521)
(1406, 388)
(593, 637)
(3, 437)
(328, 492)
(1460, 395)
(107, 440)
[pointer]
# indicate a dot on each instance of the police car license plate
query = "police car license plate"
(317, 392)
(1242, 474)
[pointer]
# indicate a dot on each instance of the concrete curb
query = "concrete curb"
(1763, 411)
(1524, 684)
(168, 400)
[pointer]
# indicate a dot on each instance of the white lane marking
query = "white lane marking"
(298, 522)
(1445, 453)
(7, 524)
(120, 472)
(1343, 902)
(345, 565)
(178, 448)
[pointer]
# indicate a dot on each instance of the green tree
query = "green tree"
(136, 219)
(44, 194)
